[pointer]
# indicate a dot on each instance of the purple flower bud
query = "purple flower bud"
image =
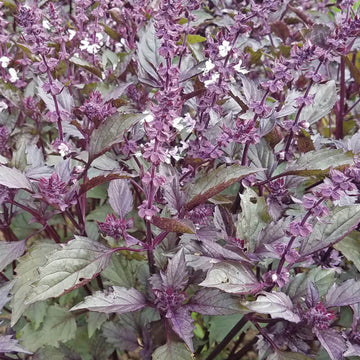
(319, 317)
(299, 229)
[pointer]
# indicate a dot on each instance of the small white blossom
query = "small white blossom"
(238, 68)
(72, 33)
(224, 48)
(213, 80)
(90, 48)
(63, 149)
(274, 277)
(208, 66)
(13, 75)
(46, 24)
(4, 60)
(3, 106)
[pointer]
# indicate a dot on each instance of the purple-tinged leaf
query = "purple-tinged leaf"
(98, 180)
(73, 265)
(119, 336)
(174, 225)
(352, 349)
(213, 302)
(120, 197)
(111, 132)
(176, 274)
(8, 345)
(312, 296)
(340, 222)
(182, 324)
(10, 251)
(278, 305)
(4, 294)
(347, 293)
(333, 343)
(285, 355)
(13, 178)
(174, 196)
(210, 184)
(86, 65)
(114, 300)
(232, 277)
(318, 162)
(172, 351)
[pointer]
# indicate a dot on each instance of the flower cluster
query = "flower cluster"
(319, 317)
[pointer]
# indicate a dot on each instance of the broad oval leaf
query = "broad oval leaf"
(332, 342)
(324, 101)
(120, 197)
(340, 222)
(73, 265)
(8, 345)
(350, 248)
(318, 162)
(13, 178)
(277, 304)
(10, 251)
(111, 132)
(214, 182)
(232, 277)
(115, 300)
(213, 302)
(347, 293)
(172, 351)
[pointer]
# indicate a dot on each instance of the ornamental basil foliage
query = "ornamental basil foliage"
(179, 179)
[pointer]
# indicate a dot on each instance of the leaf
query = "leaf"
(340, 222)
(232, 277)
(214, 182)
(174, 225)
(148, 50)
(101, 179)
(172, 351)
(10, 251)
(114, 300)
(333, 343)
(176, 274)
(347, 293)
(312, 296)
(284, 355)
(213, 302)
(322, 278)
(59, 326)
(194, 38)
(277, 304)
(13, 178)
(355, 72)
(8, 345)
(26, 274)
(219, 326)
(4, 294)
(252, 218)
(73, 265)
(111, 132)
(120, 197)
(182, 324)
(95, 320)
(119, 336)
(350, 248)
(318, 162)
(324, 101)
(86, 65)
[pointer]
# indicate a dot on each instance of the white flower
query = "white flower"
(63, 149)
(72, 33)
(224, 48)
(13, 75)
(208, 66)
(99, 36)
(3, 106)
(4, 60)
(91, 49)
(213, 80)
(240, 69)
(46, 24)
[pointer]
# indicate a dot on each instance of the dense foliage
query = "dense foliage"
(179, 179)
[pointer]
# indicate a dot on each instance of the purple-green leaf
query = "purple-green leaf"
(114, 300)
